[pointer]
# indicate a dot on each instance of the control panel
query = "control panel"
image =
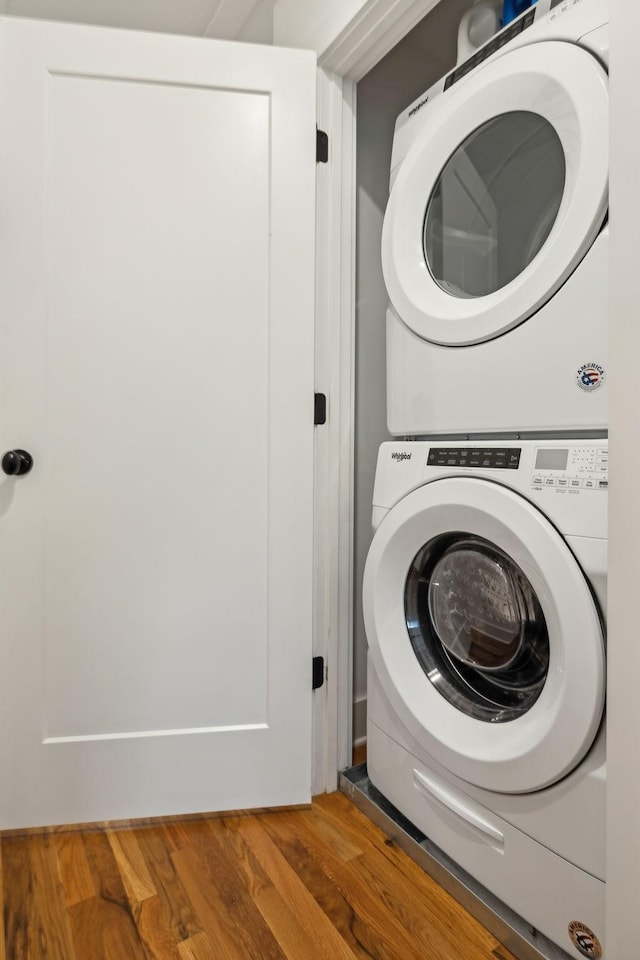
(489, 458)
(573, 469)
(504, 36)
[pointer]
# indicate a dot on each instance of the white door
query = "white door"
(157, 313)
(484, 634)
(502, 193)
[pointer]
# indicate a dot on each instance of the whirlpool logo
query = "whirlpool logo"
(399, 457)
(418, 106)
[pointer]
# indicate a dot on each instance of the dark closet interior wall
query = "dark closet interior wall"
(424, 55)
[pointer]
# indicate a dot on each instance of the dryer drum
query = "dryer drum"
(494, 204)
(476, 627)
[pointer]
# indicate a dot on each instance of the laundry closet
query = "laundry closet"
(489, 548)
(460, 359)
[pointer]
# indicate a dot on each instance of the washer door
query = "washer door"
(484, 634)
(501, 195)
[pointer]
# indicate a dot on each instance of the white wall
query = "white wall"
(623, 714)
(411, 67)
(259, 26)
(312, 24)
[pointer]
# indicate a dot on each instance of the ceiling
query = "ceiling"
(222, 19)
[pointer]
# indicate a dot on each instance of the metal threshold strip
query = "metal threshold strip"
(505, 925)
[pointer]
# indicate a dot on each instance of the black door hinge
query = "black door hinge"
(317, 673)
(322, 146)
(319, 409)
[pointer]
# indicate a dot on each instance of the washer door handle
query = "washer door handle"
(455, 805)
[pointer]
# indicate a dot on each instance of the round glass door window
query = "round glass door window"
(494, 204)
(476, 627)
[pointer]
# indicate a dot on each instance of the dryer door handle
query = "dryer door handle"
(455, 805)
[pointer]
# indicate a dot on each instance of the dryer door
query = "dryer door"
(484, 634)
(500, 196)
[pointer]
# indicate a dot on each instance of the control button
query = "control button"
(575, 483)
(562, 482)
(538, 481)
(589, 484)
(549, 481)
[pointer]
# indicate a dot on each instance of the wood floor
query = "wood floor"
(316, 884)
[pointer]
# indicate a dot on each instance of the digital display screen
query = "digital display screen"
(552, 459)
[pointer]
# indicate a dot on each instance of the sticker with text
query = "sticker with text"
(585, 940)
(590, 377)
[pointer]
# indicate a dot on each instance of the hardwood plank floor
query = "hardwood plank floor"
(316, 884)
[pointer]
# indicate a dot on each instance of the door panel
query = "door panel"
(157, 331)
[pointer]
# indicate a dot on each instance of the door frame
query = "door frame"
(334, 372)
(372, 33)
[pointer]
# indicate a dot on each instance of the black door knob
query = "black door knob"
(17, 462)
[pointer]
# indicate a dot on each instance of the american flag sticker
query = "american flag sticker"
(585, 940)
(590, 377)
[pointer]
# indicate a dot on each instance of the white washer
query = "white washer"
(484, 601)
(494, 245)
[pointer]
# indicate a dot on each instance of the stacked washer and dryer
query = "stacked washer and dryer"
(485, 585)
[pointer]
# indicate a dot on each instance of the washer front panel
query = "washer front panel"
(551, 737)
(567, 88)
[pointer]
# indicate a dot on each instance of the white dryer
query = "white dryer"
(484, 602)
(494, 246)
